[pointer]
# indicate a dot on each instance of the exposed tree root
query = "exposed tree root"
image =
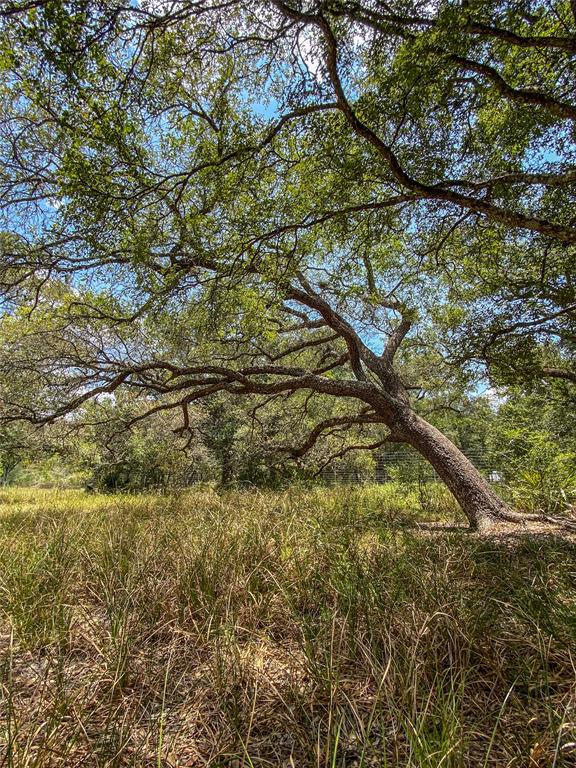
(494, 523)
(519, 517)
(510, 523)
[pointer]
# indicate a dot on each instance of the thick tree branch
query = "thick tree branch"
(537, 98)
(407, 26)
(426, 191)
(310, 298)
(395, 340)
(559, 373)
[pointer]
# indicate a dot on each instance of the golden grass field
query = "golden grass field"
(299, 628)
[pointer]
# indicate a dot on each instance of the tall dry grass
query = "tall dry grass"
(303, 628)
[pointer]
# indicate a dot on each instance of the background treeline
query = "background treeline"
(522, 438)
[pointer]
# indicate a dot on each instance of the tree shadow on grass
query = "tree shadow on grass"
(503, 532)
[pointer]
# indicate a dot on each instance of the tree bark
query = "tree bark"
(227, 469)
(481, 505)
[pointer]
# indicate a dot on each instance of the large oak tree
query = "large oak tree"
(270, 198)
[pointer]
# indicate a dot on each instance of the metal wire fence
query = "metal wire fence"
(401, 465)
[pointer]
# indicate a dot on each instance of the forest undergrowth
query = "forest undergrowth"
(322, 628)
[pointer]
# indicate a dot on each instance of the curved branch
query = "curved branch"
(522, 41)
(537, 98)
(396, 338)
(315, 434)
(544, 179)
(387, 22)
(357, 447)
(356, 349)
(560, 232)
(537, 323)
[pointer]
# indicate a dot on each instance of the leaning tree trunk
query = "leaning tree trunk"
(478, 501)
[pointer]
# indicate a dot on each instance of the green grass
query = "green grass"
(303, 628)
